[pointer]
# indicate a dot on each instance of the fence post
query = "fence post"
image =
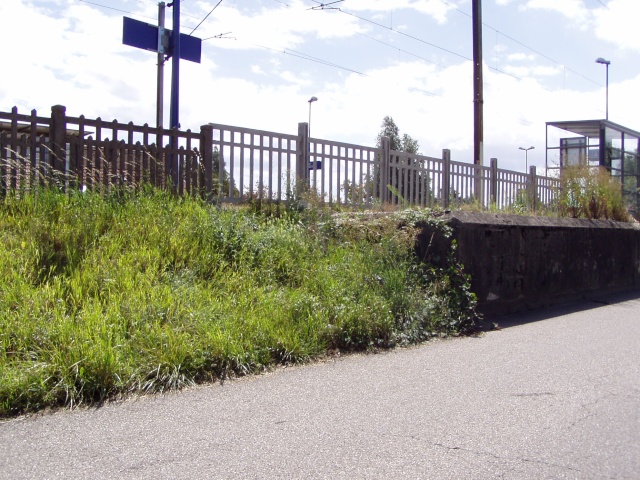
(446, 177)
(12, 168)
(302, 158)
(385, 162)
(57, 138)
(532, 184)
(206, 152)
(493, 182)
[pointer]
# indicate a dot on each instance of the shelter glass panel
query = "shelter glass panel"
(613, 153)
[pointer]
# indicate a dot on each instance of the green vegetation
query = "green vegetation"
(583, 192)
(589, 192)
(124, 293)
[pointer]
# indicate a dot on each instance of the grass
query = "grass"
(103, 296)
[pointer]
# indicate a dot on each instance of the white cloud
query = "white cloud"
(75, 57)
(535, 70)
(294, 79)
(574, 10)
(436, 9)
(520, 57)
(618, 23)
(276, 27)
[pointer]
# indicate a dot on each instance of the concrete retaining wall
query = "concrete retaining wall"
(518, 263)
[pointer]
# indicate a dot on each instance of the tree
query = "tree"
(410, 145)
(418, 183)
(226, 178)
(390, 129)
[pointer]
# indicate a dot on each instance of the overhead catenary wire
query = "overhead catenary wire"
(115, 9)
(294, 53)
(463, 56)
(401, 50)
(207, 16)
(404, 34)
(525, 45)
(310, 58)
(133, 14)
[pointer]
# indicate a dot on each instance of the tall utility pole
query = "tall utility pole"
(161, 53)
(478, 98)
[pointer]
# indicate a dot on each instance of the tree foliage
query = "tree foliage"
(403, 183)
(404, 143)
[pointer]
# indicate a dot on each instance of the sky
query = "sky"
(262, 60)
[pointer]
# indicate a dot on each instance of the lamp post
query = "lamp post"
(311, 100)
(526, 158)
(602, 61)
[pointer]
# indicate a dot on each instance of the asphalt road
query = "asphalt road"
(554, 394)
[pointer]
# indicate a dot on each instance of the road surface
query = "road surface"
(553, 394)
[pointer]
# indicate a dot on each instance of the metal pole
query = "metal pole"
(605, 62)
(607, 89)
(175, 67)
(175, 92)
(160, 89)
(311, 100)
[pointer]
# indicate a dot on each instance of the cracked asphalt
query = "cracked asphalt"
(553, 394)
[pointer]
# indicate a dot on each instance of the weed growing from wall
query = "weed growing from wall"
(588, 192)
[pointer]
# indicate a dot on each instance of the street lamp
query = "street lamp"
(602, 61)
(311, 100)
(526, 158)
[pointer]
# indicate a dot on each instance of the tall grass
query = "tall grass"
(108, 295)
(588, 192)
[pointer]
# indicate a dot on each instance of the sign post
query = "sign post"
(167, 44)
(175, 67)
(163, 41)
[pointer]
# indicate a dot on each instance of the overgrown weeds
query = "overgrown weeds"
(591, 192)
(141, 291)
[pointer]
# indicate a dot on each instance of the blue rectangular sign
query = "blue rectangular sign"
(139, 34)
(190, 47)
(145, 36)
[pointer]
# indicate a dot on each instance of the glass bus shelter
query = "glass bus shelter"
(595, 143)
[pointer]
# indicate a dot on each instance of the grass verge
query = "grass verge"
(105, 296)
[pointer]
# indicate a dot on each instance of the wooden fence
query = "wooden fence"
(234, 164)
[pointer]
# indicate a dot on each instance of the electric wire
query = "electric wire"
(116, 9)
(133, 14)
(431, 61)
(304, 56)
(524, 45)
(310, 58)
(207, 16)
(327, 63)
(401, 50)
(404, 34)
(546, 57)
(467, 58)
